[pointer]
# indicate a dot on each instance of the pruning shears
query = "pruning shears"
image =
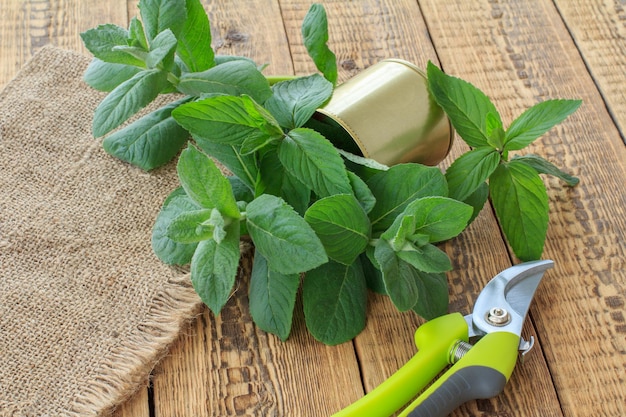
(478, 371)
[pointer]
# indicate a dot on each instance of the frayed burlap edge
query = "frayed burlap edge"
(125, 370)
(126, 367)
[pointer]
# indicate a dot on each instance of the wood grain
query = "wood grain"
(28, 25)
(137, 406)
(598, 28)
(362, 33)
(579, 308)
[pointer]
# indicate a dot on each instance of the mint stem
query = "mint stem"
(173, 79)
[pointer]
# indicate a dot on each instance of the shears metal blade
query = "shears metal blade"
(479, 370)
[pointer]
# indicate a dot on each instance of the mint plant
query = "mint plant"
(517, 192)
(321, 220)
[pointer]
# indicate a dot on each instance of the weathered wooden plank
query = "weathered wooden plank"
(361, 34)
(255, 31)
(137, 406)
(27, 25)
(225, 365)
(521, 53)
(599, 30)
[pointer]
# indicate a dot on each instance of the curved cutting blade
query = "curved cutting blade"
(504, 302)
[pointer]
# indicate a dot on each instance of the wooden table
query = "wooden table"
(519, 53)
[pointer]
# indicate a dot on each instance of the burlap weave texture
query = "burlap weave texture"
(86, 309)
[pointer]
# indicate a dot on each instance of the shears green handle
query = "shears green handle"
(434, 340)
(481, 373)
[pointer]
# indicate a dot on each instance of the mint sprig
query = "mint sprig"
(517, 192)
(322, 220)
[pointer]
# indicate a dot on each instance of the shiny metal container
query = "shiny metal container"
(386, 113)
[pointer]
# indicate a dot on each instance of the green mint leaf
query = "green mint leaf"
(296, 194)
(400, 277)
(257, 141)
(496, 138)
(365, 168)
(282, 236)
(495, 131)
(204, 182)
(401, 231)
(477, 200)
(162, 50)
(373, 276)
(274, 179)
(334, 298)
(243, 166)
(149, 142)
(521, 203)
(269, 133)
(138, 53)
(105, 76)
(222, 59)
(137, 35)
(342, 226)
(233, 78)
(219, 225)
(192, 226)
(241, 191)
(419, 239)
(126, 100)
(225, 119)
(272, 298)
(214, 268)
(536, 121)
(315, 36)
(439, 218)
(426, 258)
(395, 188)
(159, 15)
(433, 290)
(194, 40)
(169, 251)
(313, 160)
(466, 106)
(102, 41)
(362, 192)
(542, 166)
(294, 101)
(470, 170)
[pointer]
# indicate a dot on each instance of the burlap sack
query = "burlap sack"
(86, 309)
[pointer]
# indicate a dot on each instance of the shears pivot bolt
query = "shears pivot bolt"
(498, 316)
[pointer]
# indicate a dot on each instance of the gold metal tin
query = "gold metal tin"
(386, 113)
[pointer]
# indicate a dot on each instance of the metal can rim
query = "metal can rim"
(423, 74)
